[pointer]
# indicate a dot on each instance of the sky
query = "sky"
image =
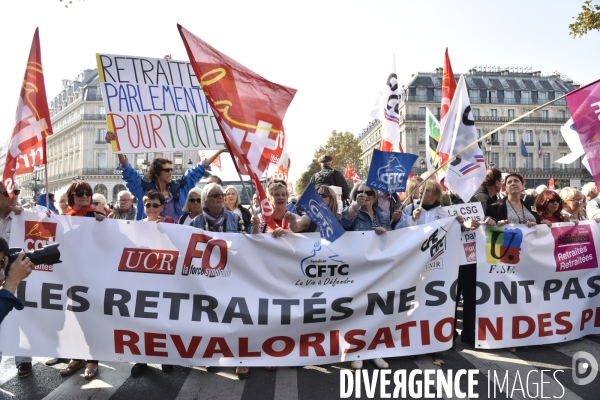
(337, 54)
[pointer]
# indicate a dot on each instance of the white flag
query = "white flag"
(466, 172)
(571, 137)
(386, 109)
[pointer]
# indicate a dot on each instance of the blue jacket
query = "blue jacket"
(179, 188)
(231, 222)
(7, 302)
(362, 221)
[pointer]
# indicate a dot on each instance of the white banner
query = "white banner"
(467, 237)
(155, 105)
(537, 285)
(165, 293)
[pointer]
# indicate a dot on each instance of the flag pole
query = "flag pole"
(479, 140)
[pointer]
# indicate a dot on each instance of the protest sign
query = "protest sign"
(155, 105)
(537, 285)
(172, 294)
(467, 237)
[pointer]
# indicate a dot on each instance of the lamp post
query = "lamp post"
(423, 164)
(145, 165)
(190, 164)
(488, 150)
(35, 186)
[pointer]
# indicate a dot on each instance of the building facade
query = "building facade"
(77, 149)
(497, 96)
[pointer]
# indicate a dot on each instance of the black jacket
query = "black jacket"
(482, 195)
(331, 177)
(499, 212)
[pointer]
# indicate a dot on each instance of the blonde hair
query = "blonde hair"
(237, 195)
(435, 187)
(568, 193)
(333, 203)
(273, 187)
(412, 184)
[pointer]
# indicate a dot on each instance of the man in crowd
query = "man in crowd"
(489, 188)
(592, 209)
(330, 177)
(19, 270)
(126, 209)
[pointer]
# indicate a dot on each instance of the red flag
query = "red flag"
(448, 88)
(27, 146)
(350, 173)
(249, 109)
(551, 184)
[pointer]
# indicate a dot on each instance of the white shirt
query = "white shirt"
(5, 226)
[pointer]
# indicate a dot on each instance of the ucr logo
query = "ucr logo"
(39, 234)
(503, 245)
(148, 261)
(393, 173)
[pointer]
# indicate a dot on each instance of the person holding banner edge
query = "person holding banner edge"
(160, 178)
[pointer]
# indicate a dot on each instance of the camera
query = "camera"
(46, 255)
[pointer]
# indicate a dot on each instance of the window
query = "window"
(495, 160)
(545, 136)
(178, 160)
(561, 114)
(529, 161)
(493, 112)
(528, 137)
(563, 167)
(101, 136)
(101, 110)
(422, 112)
(546, 160)
(511, 113)
(493, 97)
(509, 97)
(476, 112)
(437, 93)
(421, 94)
(101, 160)
(544, 114)
(525, 97)
(512, 137)
(421, 135)
(512, 160)
(542, 97)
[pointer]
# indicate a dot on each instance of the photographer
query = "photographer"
(20, 269)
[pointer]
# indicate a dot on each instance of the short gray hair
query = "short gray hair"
(206, 190)
(589, 187)
(99, 197)
(186, 206)
(122, 192)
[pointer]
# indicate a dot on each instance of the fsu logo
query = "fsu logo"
(503, 245)
(38, 235)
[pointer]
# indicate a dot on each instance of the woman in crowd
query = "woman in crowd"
(192, 208)
(573, 204)
(79, 196)
(411, 184)
(363, 214)
(154, 203)
(549, 207)
(512, 209)
(305, 224)
(63, 202)
(233, 203)
(277, 194)
(215, 217)
(430, 210)
(99, 203)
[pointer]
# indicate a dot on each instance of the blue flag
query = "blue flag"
(523, 148)
(291, 207)
(389, 171)
(320, 214)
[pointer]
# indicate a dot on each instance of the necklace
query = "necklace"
(524, 220)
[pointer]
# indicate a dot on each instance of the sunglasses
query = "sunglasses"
(217, 196)
(167, 169)
(153, 205)
(16, 192)
(367, 192)
(324, 195)
(553, 201)
(95, 203)
(195, 200)
(81, 194)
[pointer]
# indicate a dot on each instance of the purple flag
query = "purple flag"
(584, 104)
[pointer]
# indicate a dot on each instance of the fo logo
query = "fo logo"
(38, 235)
(210, 258)
(503, 245)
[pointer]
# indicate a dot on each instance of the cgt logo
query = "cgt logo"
(148, 261)
(503, 245)
(213, 257)
(38, 235)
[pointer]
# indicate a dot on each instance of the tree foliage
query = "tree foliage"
(587, 20)
(344, 149)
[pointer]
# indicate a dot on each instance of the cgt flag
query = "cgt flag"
(316, 209)
(389, 171)
(584, 104)
(27, 146)
(387, 110)
(350, 173)
(249, 110)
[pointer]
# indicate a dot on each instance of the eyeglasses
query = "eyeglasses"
(553, 201)
(367, 192)
(324, 195)
(216, 196)
(167, 169)
(231, 194)
(95, 203)
(16, 192)
(195, 200)
(576, 200)
(153, 205)
(124, 200)
(81, 194)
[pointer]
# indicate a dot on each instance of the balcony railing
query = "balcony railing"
(546, 144)
(94, 117)
(100, 141)
(528, 143)
(550, 170)
(563, 144)
(486, 100)
(93, 97)
(530, 120)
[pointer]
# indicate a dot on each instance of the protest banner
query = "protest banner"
(537, 285)
(168, 293)
(467, 236)
(155, 105)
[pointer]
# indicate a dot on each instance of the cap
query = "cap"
(325, 159)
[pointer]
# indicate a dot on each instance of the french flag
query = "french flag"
(479, 158)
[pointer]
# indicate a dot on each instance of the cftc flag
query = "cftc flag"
(27, 146)
(316, 209)
(390, 171)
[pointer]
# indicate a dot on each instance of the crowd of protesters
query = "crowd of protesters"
(504, 199)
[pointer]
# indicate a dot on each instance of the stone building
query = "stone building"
(497, 96)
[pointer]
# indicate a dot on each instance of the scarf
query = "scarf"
(215, 221)
(428, 207)
(80, 213)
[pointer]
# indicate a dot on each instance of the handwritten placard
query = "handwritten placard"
(155, 105)
(468, 211)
